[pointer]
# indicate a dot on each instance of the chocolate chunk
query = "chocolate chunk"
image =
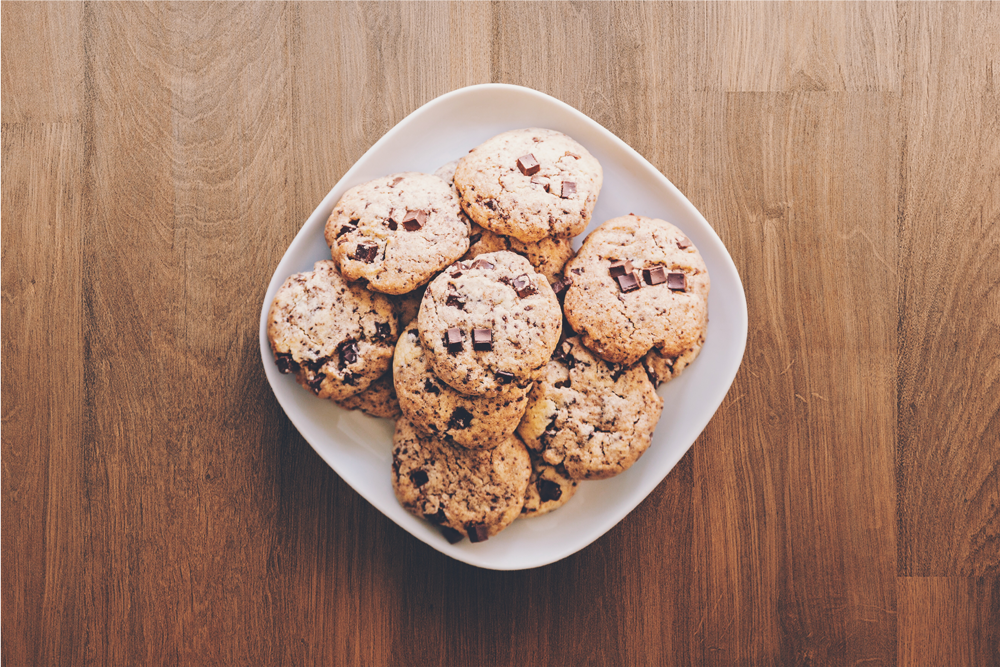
(578, 272)
(285, 362)
(354, 221)
(477, 532)
(414, 220)
(528, 164)
(382, 331)
(366, 252)
(314, 365)
(490, 204)
(460, 419)
(391, 224)
(568, 189)
(522, 285)
(562, 384)
(503, 377)
(316, 383)
(655, 275)
(548, 490)
(450, 534)
(482, 340)
(437, 518)
(481, 264)
(344, 230)
(683, 242)
(628, 283)
(455, 301)
(561, 285)
(348, 352)
(419, 477)
(677, 282)
(430, 387)
(550, 430)
(620, 268)
(616, 370)
(454, 339)
(475, 238)
(350, 378)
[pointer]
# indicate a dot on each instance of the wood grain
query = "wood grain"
(159, 508)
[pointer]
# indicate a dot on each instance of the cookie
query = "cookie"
(548, 489)
(396, 232)
(592, 417)
(469, 493)
(530, 184)
(490, 323)
(446, 173)
(336, 337)
(435, 409)
(637, 283)
(548, 256)
(664, 368)
(378, 400)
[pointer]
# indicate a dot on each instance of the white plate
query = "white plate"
(358, 447)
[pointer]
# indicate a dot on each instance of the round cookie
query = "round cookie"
(594, 418)
(489, 323)
(530, 184)
(477, 493)
(664, 368)
(378, 400)
(658, 296)
(548, 489)
(548, 255)
(435, 409)
(336, 337)
(396, 232)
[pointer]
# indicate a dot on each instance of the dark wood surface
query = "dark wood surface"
(842, 507)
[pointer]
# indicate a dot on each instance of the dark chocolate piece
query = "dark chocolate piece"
(477, 532)
(316, 383)
(481, 264)
(366, 252)
(528, 165)
(391, 224)
(348, 352)
(561, 285)
(344, 230)
(285, 362)
(350, 378)
(382, 331)
(437, 518)
(414, 220)
(454, 338)
(620, 268)
(455, 301)
(548, 490)
(522, 285)
(482, 340)
(450, 534)
(568, 189)
(628, 283)
(677, 282)
(578, 272)
(616, 370)
(430, 387)
(460, 419)
(655, 275)
(503, 377)
(419, 477)
(683, 242)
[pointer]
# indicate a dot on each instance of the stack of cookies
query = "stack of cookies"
(454, 304)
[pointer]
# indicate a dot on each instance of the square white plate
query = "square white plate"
(358, 447)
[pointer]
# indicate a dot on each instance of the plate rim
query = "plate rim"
(328, 201)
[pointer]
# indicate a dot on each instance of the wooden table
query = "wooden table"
(842, 508)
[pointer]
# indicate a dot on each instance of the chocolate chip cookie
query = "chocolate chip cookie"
(549, 487)
(665, 367)
(378, 400)
(489, 323)
(435, 409)
(638, 283)
(336, 337)
(592, 417)
(530, 184)
(468, 493)
(396, 232)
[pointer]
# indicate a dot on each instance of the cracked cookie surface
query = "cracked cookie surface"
(396, 232)
(530, 184)
(336, 337)
(659, 299)
(378, 400)
(592, 417)
(435, 409)
(477, 493)
(549, 488)
(489, 323)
